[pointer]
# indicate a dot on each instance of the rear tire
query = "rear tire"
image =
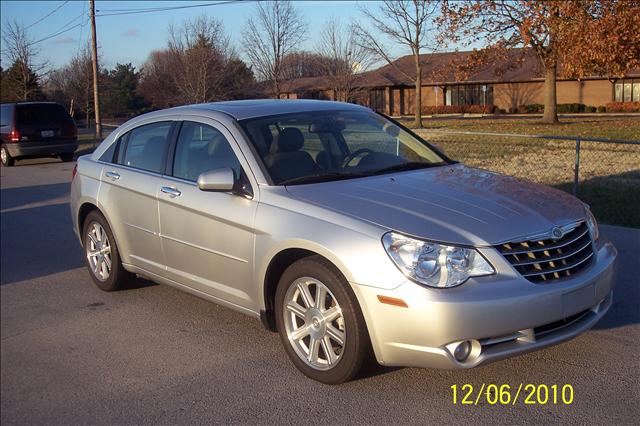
(327, 340)
(66, 157)
(102, 256)
(6, 159)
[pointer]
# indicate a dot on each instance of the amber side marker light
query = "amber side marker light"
(392, 301)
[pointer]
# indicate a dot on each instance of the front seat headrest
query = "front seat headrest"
(289, 139)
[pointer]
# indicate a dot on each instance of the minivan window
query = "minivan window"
(146, 147)
(6, 115)
(202, 148)
(42, 115)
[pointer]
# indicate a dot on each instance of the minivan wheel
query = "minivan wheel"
(6, 159)
(101, 254)
(66, 157)
(319, 321)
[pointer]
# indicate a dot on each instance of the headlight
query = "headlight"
(435, 265)
(593, 226)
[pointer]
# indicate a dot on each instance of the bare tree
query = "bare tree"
(344, 58)
(303, 64)
(405, 22)
(73, 84)
(22, 53)
(198, 65)
(200, 50)
(156, 82)
(275, 31)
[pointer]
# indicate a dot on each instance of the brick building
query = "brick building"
(507, 85)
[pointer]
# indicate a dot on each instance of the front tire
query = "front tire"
(6, 159)
(320, 322)
(102, 256)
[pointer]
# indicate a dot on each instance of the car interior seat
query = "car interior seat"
(286, 160)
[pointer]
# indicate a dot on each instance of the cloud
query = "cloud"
(64, 40)
(131, 32)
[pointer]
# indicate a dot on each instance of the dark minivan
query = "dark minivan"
(36, 129)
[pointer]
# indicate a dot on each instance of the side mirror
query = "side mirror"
(219, 180)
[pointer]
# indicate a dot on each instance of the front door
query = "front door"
(207, 237)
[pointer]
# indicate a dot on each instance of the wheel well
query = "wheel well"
(276, 268)
(84, 211)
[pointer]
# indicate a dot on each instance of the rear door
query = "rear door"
(208, 237)
(45, 122)
(129, 193)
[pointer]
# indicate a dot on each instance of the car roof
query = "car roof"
(31, 103)
(241, 110)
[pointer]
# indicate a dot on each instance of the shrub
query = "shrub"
(623, 107)
(458, 109)
(570, 108)
(531, 109)
(589, 109)
(602, 108)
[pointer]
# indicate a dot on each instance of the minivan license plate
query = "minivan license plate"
(46, 133)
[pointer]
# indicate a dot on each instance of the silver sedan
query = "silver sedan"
(344, 232)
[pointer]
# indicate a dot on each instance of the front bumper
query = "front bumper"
(503, 315)
(33, 149)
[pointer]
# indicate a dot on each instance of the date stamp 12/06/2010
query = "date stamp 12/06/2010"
(505, 394)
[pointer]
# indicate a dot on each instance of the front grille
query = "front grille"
(549, 259)
(554, 326)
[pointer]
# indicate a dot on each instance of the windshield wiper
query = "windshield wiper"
(411, 165)
(320, 178)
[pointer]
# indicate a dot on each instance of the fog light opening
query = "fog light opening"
(462, 351)
(465, 351)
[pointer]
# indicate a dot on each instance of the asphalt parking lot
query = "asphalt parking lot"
(73, 354)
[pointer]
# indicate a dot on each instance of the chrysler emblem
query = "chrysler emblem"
(557, 232)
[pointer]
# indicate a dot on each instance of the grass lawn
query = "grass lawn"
(609, 173)
(627, 128)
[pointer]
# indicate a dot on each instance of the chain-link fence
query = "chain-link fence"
(602, 172)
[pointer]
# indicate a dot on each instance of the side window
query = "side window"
(107, 156)
(202, 148)
(146, 147)
(6, 115)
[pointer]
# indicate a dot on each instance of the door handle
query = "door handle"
(173, 192)
(112, 175)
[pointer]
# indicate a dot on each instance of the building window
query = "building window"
(469, 94)
(376, 100)
(627, 90)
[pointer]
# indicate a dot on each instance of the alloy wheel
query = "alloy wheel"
(314, 323)
(98, 251)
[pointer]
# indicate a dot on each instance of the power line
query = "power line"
(60, 30)
(114, 12)
(84, 8)
(47, 15)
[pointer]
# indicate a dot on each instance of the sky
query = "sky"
(130, 38)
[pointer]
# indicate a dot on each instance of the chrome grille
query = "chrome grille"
(549, 259)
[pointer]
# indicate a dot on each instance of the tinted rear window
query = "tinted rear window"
(6, 115)
(42, 115)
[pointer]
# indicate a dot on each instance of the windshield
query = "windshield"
(330, 145)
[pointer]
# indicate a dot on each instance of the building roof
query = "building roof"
(438, 68)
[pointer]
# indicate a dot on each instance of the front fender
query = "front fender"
(358, 254)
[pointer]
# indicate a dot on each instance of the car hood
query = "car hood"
(454, 204)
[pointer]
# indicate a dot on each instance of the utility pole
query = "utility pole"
(94, 57)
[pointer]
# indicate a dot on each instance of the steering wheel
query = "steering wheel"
(358, 152)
